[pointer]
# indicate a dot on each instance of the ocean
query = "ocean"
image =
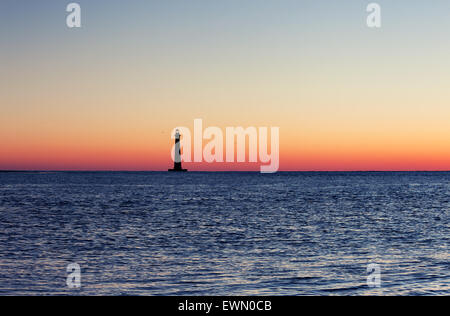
(158, 233)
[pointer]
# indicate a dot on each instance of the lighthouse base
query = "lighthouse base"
(177, 168)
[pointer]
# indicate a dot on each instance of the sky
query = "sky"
(106, 96)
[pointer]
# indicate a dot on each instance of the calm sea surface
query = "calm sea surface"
(225, 233)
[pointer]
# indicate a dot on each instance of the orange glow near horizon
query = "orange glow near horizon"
(296, 154)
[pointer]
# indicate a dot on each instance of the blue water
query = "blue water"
(224, 233)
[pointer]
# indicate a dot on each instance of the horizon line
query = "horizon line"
(220, 171)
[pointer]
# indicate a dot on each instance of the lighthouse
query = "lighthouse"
(177, 161)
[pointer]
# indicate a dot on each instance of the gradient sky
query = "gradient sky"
(106, 96)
